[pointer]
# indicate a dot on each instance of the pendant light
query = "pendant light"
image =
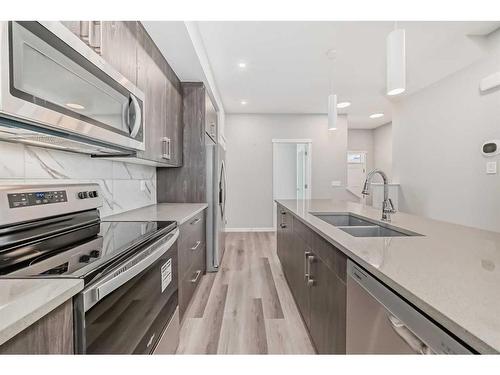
(332, 112)
(396, 62)
(332, 98)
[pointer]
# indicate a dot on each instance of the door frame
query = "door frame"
(308, 142)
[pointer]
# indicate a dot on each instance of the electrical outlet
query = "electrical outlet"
(491, 167)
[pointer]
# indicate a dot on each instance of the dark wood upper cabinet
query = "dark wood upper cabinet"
(119, 47)
(189, 183)
(211, 121)
(152, 81)
(127, 47)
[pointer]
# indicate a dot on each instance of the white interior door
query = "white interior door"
(356, 171)
(291, 170)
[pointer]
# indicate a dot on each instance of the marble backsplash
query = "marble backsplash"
(120, 182)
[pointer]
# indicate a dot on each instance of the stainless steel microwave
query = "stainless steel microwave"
(55, 91)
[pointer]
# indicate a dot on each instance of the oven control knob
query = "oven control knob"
(84, 259)
(95, 254)
(82, 195)
(93, 194)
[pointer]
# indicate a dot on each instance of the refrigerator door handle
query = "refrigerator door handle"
(222, 191)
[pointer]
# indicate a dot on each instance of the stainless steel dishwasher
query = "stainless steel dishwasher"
(381, 322)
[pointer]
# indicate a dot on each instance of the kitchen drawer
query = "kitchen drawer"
(194, 227)
(189, 284)
(191, 242)
(191, 255)
(331, 256)
(303, 231)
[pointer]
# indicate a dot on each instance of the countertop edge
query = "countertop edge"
(32, 316)
(150, 213)
(463, 334)
(194, 213)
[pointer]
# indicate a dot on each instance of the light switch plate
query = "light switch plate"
(491, 167)
(143, 185)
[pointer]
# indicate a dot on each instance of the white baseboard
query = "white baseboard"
(271, 229)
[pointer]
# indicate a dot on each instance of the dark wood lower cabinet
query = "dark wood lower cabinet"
(327, 310)
(321, 296)
(192, 259)
(297, 279)
(52, 334)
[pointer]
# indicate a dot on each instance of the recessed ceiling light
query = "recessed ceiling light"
(242, 65)
(75, 106)
(377, 115)
(343, 104)
(243, 102)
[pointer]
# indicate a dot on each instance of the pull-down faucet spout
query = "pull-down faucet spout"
(387, 206)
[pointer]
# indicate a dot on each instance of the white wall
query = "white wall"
(438, 133)
(362, 140)
(382, 148)
(249, 161)
(120, 182)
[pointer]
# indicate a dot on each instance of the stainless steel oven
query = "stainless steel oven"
(125, 310)
(129, 303)
(57, 92)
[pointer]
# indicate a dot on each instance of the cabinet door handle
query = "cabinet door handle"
(166, 148)
(307, 254)
(195, 221)
(283, 224)
(84, 31)
(198, 273)
(196, 245)
(310, 279)
(95, 35)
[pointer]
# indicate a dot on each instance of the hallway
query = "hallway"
(247, 307)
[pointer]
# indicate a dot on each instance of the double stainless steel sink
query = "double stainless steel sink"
(362, 227)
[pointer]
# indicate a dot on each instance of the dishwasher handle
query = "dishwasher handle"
(417, 345)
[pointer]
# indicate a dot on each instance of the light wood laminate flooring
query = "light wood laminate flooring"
(247, 307)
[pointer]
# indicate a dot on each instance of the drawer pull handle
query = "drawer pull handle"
(196, 245)
(195, 221)
(198, 273)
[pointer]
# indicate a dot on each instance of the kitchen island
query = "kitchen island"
(448, 271)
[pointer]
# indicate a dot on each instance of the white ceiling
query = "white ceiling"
(288, 71)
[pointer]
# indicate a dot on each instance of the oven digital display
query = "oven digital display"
(37, 198)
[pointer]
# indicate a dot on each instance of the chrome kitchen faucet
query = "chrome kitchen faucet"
(387, 206)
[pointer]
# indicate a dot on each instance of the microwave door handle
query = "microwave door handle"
(134, 128)
(106, 287)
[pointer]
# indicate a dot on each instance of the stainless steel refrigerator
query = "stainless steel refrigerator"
(216, 199)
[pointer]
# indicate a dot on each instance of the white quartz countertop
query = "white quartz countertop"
(452, 272)
(25, 301)
(180, 212)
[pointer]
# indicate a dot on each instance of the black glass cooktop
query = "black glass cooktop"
(72, 245)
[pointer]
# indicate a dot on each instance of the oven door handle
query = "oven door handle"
(128, 271)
